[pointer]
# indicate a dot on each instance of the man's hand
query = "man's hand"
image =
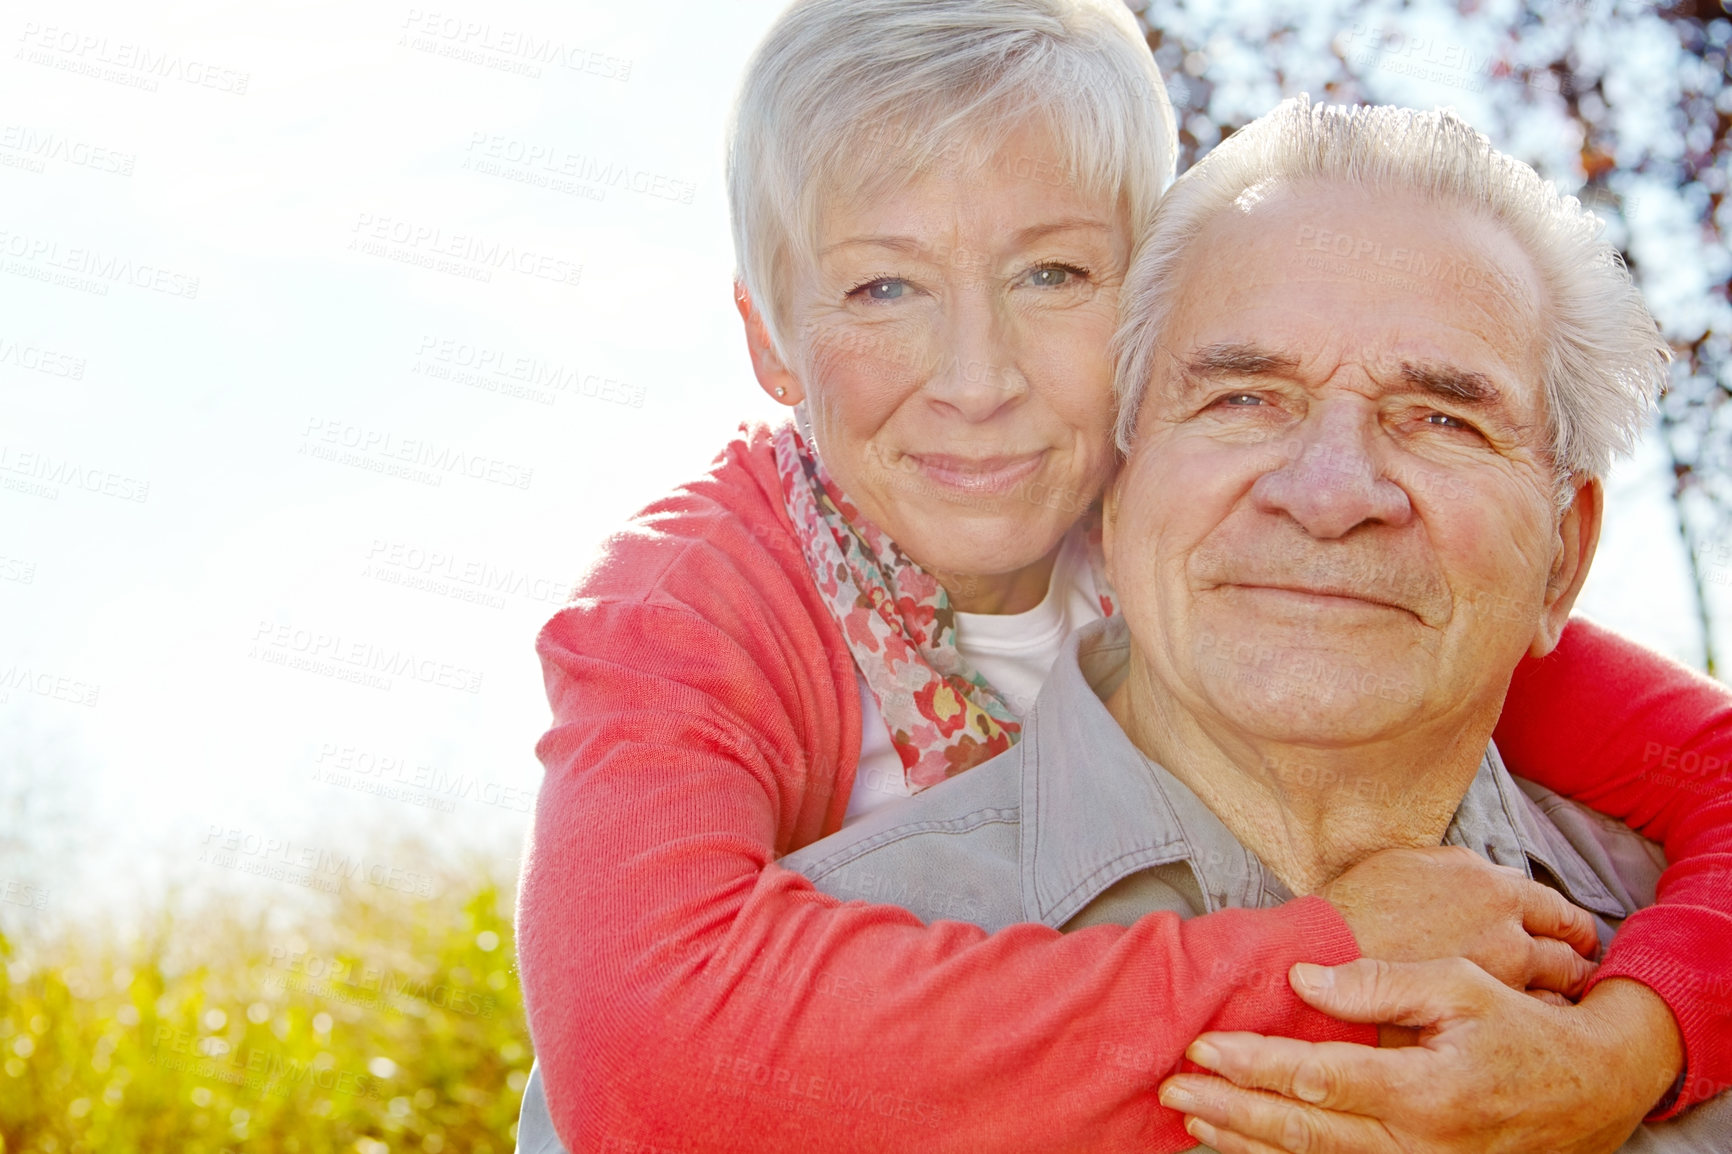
(1495, 1072)
(1409, 905)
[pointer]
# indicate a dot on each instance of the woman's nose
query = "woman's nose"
(977, 374)
(1329, 479)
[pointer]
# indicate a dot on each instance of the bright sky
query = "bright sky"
(304, 308)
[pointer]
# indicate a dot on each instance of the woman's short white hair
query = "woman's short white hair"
(848, 96)
(1604, 361)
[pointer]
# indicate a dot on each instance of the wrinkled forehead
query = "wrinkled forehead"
(1378, 276)
(882, 160)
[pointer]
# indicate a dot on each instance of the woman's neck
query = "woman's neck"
(1015, 592)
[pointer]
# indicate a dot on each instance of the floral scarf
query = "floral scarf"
(943, 716)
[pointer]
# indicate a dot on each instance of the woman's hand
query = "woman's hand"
(1410, 905)
(1495, 1071)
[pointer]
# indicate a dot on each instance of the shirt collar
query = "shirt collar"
(1095, 809)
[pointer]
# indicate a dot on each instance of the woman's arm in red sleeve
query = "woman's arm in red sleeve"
(684, 992)
(1647, 741)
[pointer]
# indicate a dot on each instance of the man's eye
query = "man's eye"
(883, 289)
(1444, 420)
(1241, 399)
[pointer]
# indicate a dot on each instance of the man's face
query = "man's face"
(1337, 519)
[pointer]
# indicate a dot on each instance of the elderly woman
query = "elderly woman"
(934, 202)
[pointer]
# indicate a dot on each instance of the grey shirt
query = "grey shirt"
(1075, 827)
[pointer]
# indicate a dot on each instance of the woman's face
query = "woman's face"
(951, 342)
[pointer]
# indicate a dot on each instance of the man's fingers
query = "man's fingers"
(1554, 965)
(1251, 1122)
(1334, 1075)
(1401, 993)
(1549, 997)
(1548, 914)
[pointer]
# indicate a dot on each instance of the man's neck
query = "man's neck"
(1310, 812)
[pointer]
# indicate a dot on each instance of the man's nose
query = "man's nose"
(977, 375)
(1328, 478)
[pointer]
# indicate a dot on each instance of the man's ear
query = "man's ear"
(1110, 515)
(1578, 537)
(773, 376)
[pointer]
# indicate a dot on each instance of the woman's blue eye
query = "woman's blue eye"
(1056, 275)
(888, 289)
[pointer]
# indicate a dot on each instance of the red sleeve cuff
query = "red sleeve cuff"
(1670, 960)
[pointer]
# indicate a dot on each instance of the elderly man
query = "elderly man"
(1372, 372)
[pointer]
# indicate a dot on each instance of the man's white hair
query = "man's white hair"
(1604, 361)
(846, 97)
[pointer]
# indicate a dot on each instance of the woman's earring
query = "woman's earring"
(781, 391)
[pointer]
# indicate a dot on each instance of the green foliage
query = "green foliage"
(379, 1022)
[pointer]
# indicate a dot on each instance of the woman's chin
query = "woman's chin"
(984, 547)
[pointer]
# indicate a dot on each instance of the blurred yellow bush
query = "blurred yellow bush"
(381, 1021)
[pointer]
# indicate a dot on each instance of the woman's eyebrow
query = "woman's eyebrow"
(905, 244)
(1021, 239)
(1037, 232)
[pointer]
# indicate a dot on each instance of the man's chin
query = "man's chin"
(1308, 693)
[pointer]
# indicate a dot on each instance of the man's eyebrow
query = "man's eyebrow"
(1451, 383)
(1238, 360)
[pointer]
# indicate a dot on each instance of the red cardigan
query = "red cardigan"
(686, 993)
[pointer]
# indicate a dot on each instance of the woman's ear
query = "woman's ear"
(773, 376)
